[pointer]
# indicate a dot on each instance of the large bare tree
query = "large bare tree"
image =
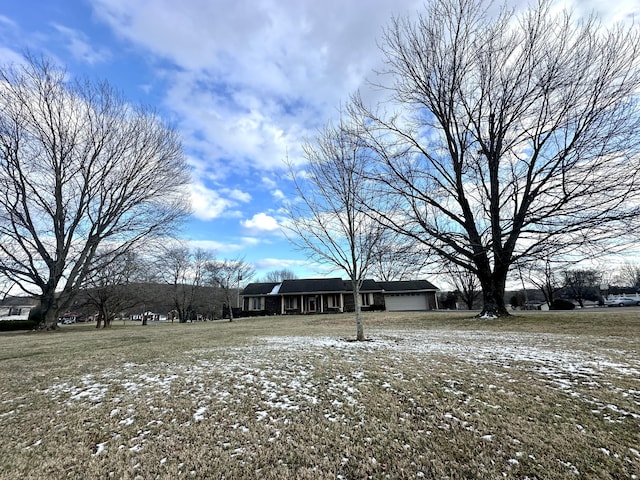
(81, 172)
(328, 220)
(507, 136)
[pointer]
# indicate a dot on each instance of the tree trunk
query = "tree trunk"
(493, 285)
(51, 319)
(358, 309)
(230, 307)
(50, 311)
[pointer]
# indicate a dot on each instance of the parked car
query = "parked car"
(622, 302)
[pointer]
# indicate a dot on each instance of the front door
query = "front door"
(311, 304)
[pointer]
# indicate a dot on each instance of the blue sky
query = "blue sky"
(244, 81)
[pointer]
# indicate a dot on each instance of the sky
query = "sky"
(245, 82)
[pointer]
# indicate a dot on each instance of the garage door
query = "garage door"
(404, 302)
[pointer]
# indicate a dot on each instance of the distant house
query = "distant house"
(17, 308)
(325, 295)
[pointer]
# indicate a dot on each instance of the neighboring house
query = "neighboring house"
(17, 308)
(324, 295)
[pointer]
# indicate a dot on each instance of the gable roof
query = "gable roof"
(407, 286)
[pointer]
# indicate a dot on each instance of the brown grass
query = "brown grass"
(438, 395)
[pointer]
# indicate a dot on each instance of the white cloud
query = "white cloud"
(238, 195)
(278, 194)
(302, 268)
(80, 47)
(261, 222)
(620, 11)
(269, 183)
(280, 263)
(10, 57)
(207, 204)
(221, 248)
(254, 78)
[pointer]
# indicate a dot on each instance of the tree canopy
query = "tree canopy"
(84, 177)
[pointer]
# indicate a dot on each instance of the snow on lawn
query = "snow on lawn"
(277, 377)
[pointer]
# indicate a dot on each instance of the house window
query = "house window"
(290, 303)
(366, 299)
(256, 303)
(15, 311)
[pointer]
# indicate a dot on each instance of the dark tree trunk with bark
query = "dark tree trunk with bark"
(493, 297)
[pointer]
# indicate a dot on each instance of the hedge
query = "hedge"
(11, 325)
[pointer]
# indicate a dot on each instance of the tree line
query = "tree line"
(551, 285)
(185, 284)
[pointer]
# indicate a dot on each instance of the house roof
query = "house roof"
(19, 302)
(263, 288)
(407, 286)
(312, 285)
(333, 285)
(367, 286)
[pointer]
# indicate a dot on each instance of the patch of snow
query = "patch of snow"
(100, 448)
(34, 444)
(571, 467)
(198, 416)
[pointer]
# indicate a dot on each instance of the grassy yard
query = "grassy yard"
(430, 395)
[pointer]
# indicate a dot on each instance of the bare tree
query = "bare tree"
(582, 284)
(629, 275)
(279, 275)
(398, 258)
(185, 270)
(228, 275)
(328, 221)
(111, 288)
(81, 172)
(543, 276)
(507, 137)
(466, 284)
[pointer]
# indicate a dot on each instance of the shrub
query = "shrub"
(11, 325)
(562, 304)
